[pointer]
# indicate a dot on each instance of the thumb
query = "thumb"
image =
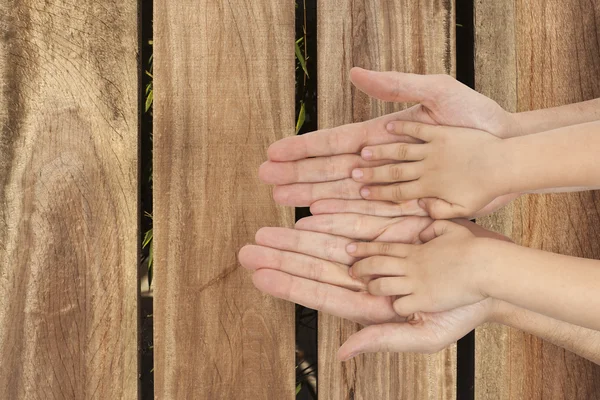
(391, 337)
(397, 86)
(441, 209)
(437, 229)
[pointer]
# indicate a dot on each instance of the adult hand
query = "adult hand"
(315, 169)
(311, 268)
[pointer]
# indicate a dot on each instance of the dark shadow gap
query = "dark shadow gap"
(306, 94)
(465, 73)
(145, 313)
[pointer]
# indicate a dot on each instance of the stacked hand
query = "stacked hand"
(309, 266)
(316, 169)
(380, 249)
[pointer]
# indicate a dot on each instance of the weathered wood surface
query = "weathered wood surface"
(224, 90)
(68, 199)
(392, 35)
(532, 55)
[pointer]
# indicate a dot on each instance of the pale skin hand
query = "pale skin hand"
(455, 268)
(315, 169)
(318, 278)
(386, 331)
(431, 277)
(453, 170)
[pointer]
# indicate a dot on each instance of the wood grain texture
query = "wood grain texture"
(382, 35)
(68, 199)
(224, 90)
(532, 55)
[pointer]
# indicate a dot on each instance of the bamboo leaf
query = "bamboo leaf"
(149, 100)
(301, 117)
(300, 58)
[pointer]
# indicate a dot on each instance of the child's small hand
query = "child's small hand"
(440, 275)
(456, 171)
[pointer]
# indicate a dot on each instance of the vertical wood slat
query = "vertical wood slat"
(532, 55)
(224, 90)
(68, 199)
(393, 35)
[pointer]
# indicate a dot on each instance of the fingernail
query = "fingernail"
(367, 154)
(390, 127)
(357, 174)
(422, 204)
(364, 192)
(350, 272)
(351, 248)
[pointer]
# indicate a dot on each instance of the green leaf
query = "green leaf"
(301, 117)
(149, 100)
(300, 58)
(298, 387)
(150, 264)
(147, 238)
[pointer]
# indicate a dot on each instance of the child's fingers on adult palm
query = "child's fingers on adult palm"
(367, 249)
(396, 192)
(389, 173)
(378, 266)
(395, 151)
(390, 286)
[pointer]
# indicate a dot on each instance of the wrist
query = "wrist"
(503, 171)
(516, 125)
(501, 312)
(488, 272)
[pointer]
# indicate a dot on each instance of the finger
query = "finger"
(366, 227)
(417, 130)
(359, 307)
(257, 257)
(304, 194)
(320, 169)
(402, 87)
(389, 173)
(394, 151)
(368, 249)
(441, 209)
(407, 305)
(439, 228)
(368, 207)
(345, 139)
(389, 337)
(378, 266)
(395, 192)
(320, 245)
(390, 286)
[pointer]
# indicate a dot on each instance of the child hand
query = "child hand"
(440, 275)
(455, 171)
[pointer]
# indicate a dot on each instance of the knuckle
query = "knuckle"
(417, 129)
(402, 151)
(385, 248)
(396, 172)
(397, 193)
(316, 270)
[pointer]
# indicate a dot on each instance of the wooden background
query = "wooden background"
(68, 199)
(224, 90)
(530, 55)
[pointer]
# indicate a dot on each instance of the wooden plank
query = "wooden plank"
(393, 35)
(532, 55)
(68, 199)
(224, 90)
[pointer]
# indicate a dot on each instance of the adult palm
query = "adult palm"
(314, 169)
(309, 266)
